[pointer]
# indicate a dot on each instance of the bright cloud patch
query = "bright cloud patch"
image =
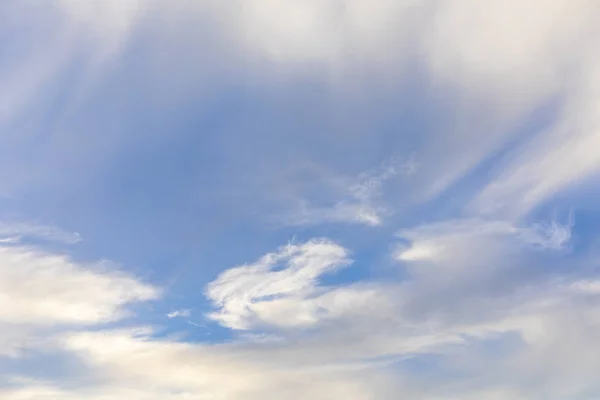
(475, 239)
(43, 291)
(272, 290)
(41, 288)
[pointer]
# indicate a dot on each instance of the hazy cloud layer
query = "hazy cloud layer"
(435, 163)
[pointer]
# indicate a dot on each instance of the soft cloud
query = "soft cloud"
(42, 291)
(361, 334)
(556, 159)
(499, 61)
(492, 303)
(179, 313)
(492, 65)
(357, 201)
(361, 355)
(307, 33)
(269, 290)
(14, 232)
(455, 239)
(147, 367)
(45, 288)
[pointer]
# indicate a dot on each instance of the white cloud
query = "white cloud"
(490, 66)
(503, 58)
(179, 313)
(104, 24)
(340, 359)
(471, 282)
(356, 201)
(14, 339)
(494, 63)
(44, 288)
(507, 59)
(147, 367)
(41, 291)
(557, 158)
(469, 241)
(269, 290)
(14, 232)
(499, 61)
(314, 32)
(356, 349)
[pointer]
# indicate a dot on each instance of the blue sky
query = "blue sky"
(322, 199)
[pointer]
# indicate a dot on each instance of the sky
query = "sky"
(299, 199)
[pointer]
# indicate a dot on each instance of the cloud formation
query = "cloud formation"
(15, 232)
(366, 352)
(483, 295)
(351, 201)
(43, 291)
(272, 289)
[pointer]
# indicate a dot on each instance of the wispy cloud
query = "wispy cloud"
(556, 159)
(179, 314)
(357, 201)
(495, 300)
(15, 232)
(270, 291)
(441, 241)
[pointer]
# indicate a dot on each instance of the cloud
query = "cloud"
(44, 288)
(59, 37)
(41, 291)
(478, 65)
(502, 69)
(490, 66)
(507, 61)
(179, 313)
(357, 201)
(454, 239)
(484, 71)
(361, 356)
(15, 232)
(361, 346)
(48, 53)
(556, 159)
(199, 371)
(490, 305)
(268, 291)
